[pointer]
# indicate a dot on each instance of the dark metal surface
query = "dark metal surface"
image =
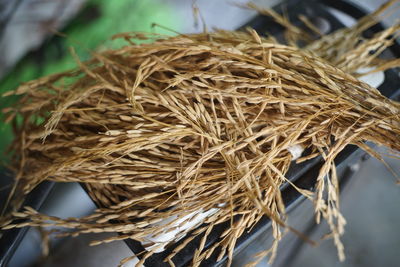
(10, 239)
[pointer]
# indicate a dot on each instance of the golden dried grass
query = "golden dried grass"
(196, 123)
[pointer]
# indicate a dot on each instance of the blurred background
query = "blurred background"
(35, 36)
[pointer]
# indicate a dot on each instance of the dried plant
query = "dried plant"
(199, 128)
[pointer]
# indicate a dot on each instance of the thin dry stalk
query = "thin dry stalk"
(198, 126)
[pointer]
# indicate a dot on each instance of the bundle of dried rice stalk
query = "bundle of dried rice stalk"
(188, 132)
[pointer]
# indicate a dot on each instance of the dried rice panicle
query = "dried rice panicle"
(163, 133)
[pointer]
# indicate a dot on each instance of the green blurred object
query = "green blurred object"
(90, 30)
